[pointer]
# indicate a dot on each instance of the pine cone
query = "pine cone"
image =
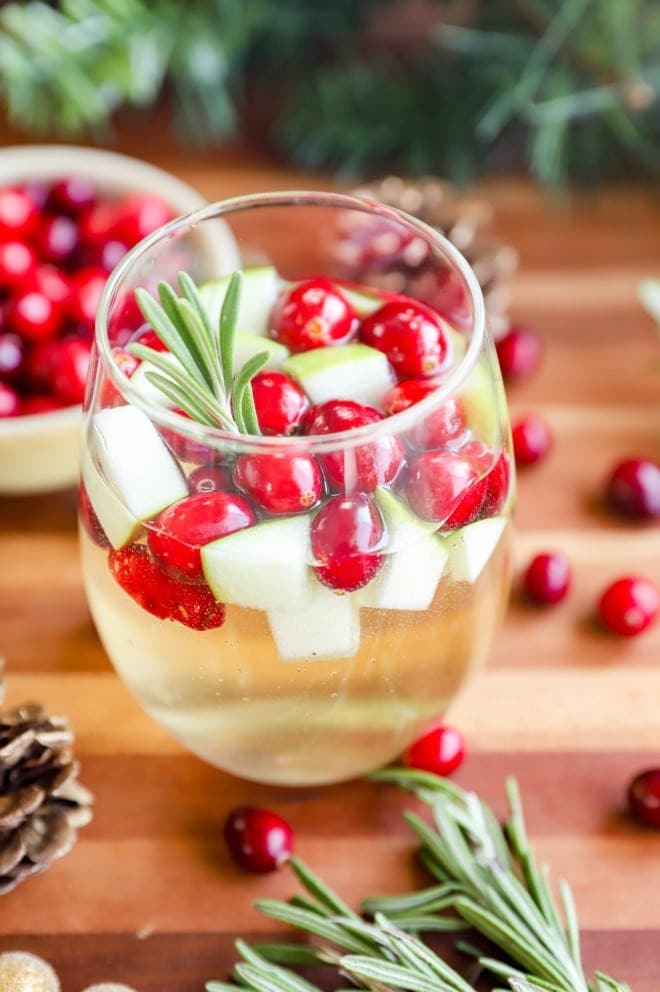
(371, 251)
(42, 804)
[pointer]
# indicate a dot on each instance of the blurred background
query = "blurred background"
(564, 90)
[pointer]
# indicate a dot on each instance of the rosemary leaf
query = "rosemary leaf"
(241, 385)
(174, 309)
(227, 330)
(430, 924)
(310, 922)
(425, 900)
(317, 888)
(572, 930)
(166, 331)
(393, 975)
(205, 347)
(289, 954)
(191, 294)
(180, 399)
(188, 388)
(249, 411)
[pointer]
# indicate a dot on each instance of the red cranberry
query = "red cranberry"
(442, 426)
(182, 529)
(140, 215)
(633, 489)
(34, 316)
(127, 364)
(519, 353)
(147, 336)
(33, 405)
(210, 479)
(68, 362)
(548, 578)
(89, 520)
(280, 482)
(279, 401)
(446, 292)
(411, 335)
(258, 840)
(532, 440)
(18, 213)
(347, 534)
(111, 254)
(97, 225)
(57, 239)
(629, 606)
(12, 355)
(313, 314)
(496, 472)
(437, 481)
(52, 283)
(17, 264)
(10, 403)
(86, 288)
(440, 751)
(644, 797)
(162, 595)
(365, 467)
(72, 194)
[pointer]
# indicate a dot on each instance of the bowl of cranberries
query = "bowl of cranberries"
(67, 216)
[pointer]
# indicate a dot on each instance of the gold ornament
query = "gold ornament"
(22, 972)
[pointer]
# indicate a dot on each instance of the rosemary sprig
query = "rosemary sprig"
(198, 374)
(489, 877)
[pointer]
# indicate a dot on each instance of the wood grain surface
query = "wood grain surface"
(148, 895)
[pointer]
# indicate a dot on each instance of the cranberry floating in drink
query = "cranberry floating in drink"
(296, 500)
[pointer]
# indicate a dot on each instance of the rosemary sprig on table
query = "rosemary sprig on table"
(488, 880)
(198, 373)
(489, 877)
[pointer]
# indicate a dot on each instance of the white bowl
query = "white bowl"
(40, 453)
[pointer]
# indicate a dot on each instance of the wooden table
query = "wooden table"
(148, 895)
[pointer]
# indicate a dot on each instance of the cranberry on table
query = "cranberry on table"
(258, 840)
(17, 264)
(111, 254)
(182, 529)
(313, 314)
(210, 479)
(162, 595)
(66, 364)
(519, 353)
(366, 466)
(280, 482)
(633, 489)
(547, 578)
(532, 439)
(139, 215)
(18, 213)
(86, 288)
(644, 797)
(33, 316)
(97, 225)
(436, 483)
(53, 283)
(36, 404)
(444, 425)
(12, 357)
(629, 606)
(10, 403)
(57, 239)
(347, 537)
(412, 335)
(72, 194)
(279, 401)
(440, 751)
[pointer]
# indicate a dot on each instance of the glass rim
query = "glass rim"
(395, 424)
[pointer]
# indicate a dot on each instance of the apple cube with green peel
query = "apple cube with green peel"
(414, 562)
(136, 462)
(148, 389)
(265, 567)
(119, 525)
(246, 346)
(471, 547)
(327, 626)
(261, 285)
(350, 372)
(362, 301)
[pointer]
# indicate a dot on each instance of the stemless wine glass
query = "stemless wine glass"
(256, 664)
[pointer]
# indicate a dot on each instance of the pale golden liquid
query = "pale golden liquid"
(228, 696)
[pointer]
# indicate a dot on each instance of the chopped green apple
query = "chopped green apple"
(147, 389)
(246, 346)
(484, 402)
(414, 562)
(135, 461)
(363, 300)
(265, 567)
(470, 548)
(119, 525)
(327, 626)
(350, 372)
(261, 285)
